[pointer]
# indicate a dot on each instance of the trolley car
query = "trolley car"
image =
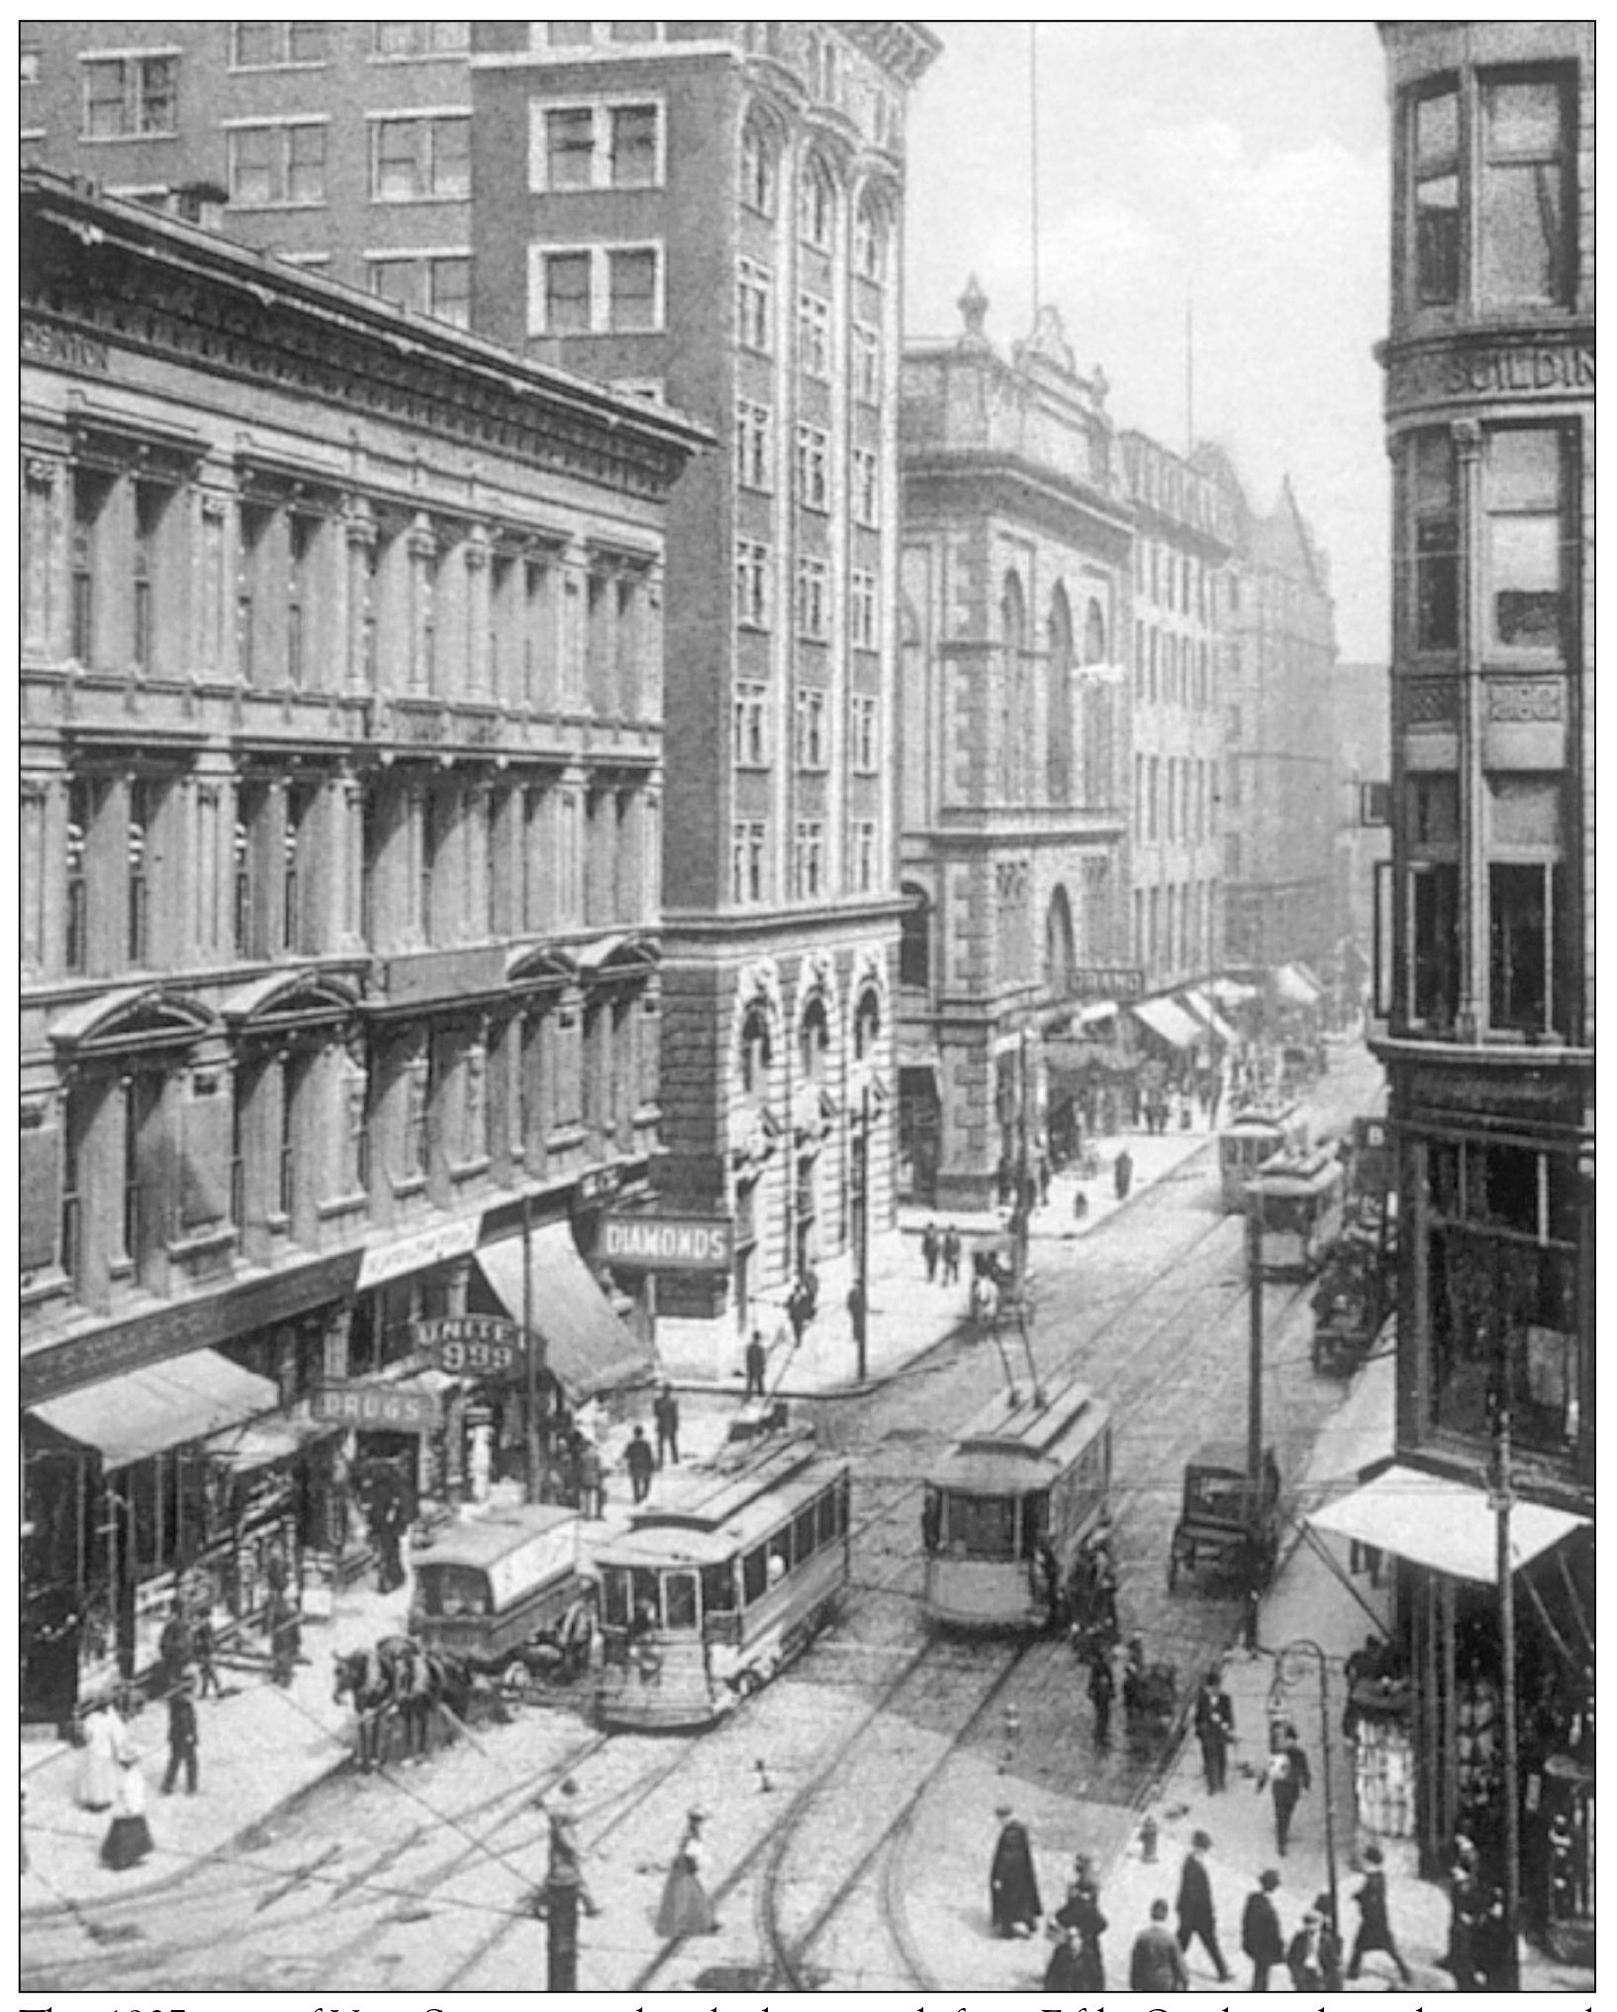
(1300, 1202)
(496, 1587)
(725, 1579)
(1251, 1137)
(1009, 1508)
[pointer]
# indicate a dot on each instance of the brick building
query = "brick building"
(709, 212)
(1485, 989)
(1013, 749)
(341, 776)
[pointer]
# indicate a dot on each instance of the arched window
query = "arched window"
(915, 939)
(866, 1025)
(1094, 634)
(1058, 947)
(1015, 726)
(870, 240)
(756, 1053)
(817, 208)
(814, 1042)
(1058, 738)
(760, 162)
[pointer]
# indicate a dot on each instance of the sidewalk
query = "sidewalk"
(1306, 1602)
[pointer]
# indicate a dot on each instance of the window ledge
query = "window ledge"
(468, 1170)
(270, 209)
(405, 1190)
(198, 1243)
(564, 1136)
(341, 1205)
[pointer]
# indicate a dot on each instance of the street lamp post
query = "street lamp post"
(1284, 1680)
(861, 1310)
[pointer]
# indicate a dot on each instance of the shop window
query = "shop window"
(1526, 547)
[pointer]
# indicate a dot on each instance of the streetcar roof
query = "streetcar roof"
(736, 1502)
(1293, 1180)
(659, 1550)
(483, 1541)
(1020, 1435)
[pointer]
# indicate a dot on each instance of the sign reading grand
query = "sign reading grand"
(1108, 981)
(473, 1344)
(668, 1243)
(376, 1407)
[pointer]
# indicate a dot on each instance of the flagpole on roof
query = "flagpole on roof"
(1033, 150)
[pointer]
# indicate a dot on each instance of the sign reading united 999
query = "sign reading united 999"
(668, 1243)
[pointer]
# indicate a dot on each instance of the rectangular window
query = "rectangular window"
(747, 861)
(1436, 178)
(866, 488)
(402, 39)
(421, 160)
(814, 336)
(754, 289)
(279, 165)
(754, 439)
(633, 147)
(1434, 922)
(864, 856)
(751, 745)
(862, 610)
(752, 583)
(813, 468)
(131, 97)
(1435, 520)
(1523, 498)
(567, 293)
(569, 148)
(813, 599)
(866, 734)
(808, 868)
(813, 751)
(265, 45)
(632, 305)
(1524, 253)
(866, 365)
(1522, 926)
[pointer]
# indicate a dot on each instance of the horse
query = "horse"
(364, 1676)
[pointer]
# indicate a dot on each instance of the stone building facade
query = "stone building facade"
(1486, 987)
(342, 709)
(1014, 742)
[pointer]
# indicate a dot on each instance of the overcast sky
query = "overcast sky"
(1242, 164)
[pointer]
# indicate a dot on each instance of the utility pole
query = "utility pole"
(1254, 1404)
(1507, 1650)
(862, 1234)
(561, 1928)
(530, 1350)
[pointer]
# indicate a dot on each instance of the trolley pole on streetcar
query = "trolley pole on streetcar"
(1501, 1504)
(1254, 1387)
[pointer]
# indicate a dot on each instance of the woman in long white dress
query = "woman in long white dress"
(105, 1738)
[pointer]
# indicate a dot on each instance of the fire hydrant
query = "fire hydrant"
(1148, 1841)
(1013, 1732)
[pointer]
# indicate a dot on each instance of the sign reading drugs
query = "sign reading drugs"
(473, 1344)
(668, 1243)
(376, 1407)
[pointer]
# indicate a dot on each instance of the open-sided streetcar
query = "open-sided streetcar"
(727, 1577)
(1251, 1137)
(1009, 1507)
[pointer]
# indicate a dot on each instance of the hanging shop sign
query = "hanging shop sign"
(473, 1344)
(1107, 981)
(668, 1243)
(376, 1407)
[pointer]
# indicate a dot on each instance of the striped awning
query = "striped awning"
(1169, 1022)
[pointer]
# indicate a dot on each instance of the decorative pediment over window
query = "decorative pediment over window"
(133, 1019)
(287, 999)
(540, 964)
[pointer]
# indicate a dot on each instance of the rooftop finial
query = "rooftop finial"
(973, 305)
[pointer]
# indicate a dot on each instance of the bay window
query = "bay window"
(1525, 546)
(1523, 247)
(1435, 540)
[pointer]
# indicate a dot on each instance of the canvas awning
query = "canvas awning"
(1096, 1011)
(1295, 986)
(1204, 1010)
(1167, 1021)
(587, 1348)
(264, 1442)
(145, 1411)
(1441, 1524)
(1231, 991)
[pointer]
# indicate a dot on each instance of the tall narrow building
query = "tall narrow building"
(1485, 985)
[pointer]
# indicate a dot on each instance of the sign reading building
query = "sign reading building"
(376, 1407)
(474, 1344)
(668, 1243)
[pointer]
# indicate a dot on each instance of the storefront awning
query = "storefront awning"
(1231, 991)
(1441, 1524)
(1295, 985)
(1167, 1021)
(264, 1442)
(587, 1348)
(1096, 1011)
(1205, 1011)
(146, 1411)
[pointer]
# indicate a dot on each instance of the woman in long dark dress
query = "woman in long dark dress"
(1080, 1918)
(130, 1838)
(686, 1908)
(1013, 1887)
